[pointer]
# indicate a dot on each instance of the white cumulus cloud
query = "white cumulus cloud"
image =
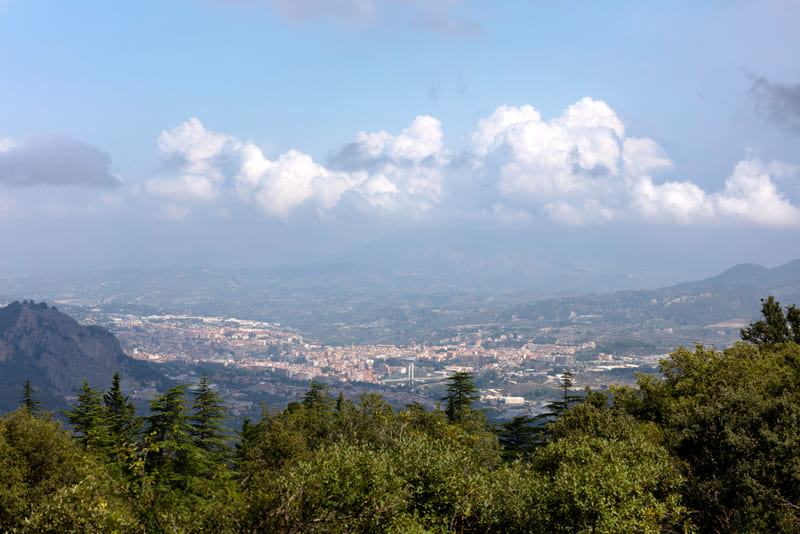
(197, 158)
(423, 138)
(378, 171)
(642, 156)
(681, 202)
(293, 180)
(751, 195)
(578, 168)
(539, 160)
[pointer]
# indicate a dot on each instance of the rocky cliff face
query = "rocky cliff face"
(56, 353)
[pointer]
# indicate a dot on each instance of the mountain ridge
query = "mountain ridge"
(53, 351)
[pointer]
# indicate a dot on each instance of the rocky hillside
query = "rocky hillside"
(53, 351)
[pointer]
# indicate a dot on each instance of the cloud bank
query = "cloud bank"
(579, 168)
(54, 160)
(377, 172)
(576, 169)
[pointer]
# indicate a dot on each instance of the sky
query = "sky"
(262, 132)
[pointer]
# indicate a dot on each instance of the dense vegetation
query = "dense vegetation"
(710, 445)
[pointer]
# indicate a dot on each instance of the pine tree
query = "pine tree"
(120, 416)
(28, 401)
(208, 420)
(317, 397)
(171, 452)
(519, 435)
(461, 395)
(87, 417)
(566, 384)
(247, 439)
(556, 408)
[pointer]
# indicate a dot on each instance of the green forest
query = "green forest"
(709, 444)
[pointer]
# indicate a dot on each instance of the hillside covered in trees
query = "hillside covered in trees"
(710, 444)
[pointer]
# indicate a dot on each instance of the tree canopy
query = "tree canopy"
(710, 443)
(775, 327)
(28, 400)
(462, 393)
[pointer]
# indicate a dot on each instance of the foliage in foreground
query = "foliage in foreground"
(710, 445)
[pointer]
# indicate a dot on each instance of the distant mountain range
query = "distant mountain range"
(488, 260)
(49, 348)
(342, 304)
(781, 280)
(405, 266)
(377, 298)
(709, 311)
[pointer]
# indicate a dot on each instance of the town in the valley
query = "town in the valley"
(512, 373)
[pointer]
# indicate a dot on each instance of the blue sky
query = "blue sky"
(149, 133)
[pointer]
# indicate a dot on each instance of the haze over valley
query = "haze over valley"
(402, 266)
(369, 185)
(268, 333)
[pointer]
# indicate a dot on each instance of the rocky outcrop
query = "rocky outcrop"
(55, 352)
